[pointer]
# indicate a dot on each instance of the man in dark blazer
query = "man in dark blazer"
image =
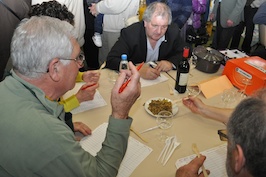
(153, 39)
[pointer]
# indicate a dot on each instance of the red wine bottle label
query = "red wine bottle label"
(183, 79)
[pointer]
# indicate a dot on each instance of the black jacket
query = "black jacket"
(133, 42)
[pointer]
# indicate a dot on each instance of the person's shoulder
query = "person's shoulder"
(135, 26)
(173, 27)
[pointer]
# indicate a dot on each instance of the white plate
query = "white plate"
(146, 106)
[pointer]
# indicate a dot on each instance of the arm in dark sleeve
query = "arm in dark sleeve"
(172, 49)
(133, 42)
(260, 16)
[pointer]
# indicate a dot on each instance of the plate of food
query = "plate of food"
(154, 105)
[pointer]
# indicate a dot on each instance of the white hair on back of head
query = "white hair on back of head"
(37, 41)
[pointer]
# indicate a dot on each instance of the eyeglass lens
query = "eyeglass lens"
(222, 135)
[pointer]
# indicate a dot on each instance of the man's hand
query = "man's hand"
(194, 104)
(229, 23)
(192, 169)
(122, 102)
(164, 65)
(212, 17)
(87, 92)
(93, 9)
(91, 76)
(82, 128)
(146, 72)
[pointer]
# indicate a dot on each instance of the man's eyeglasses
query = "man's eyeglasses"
(223, 135)
(80, 59)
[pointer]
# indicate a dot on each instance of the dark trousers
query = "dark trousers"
(249, 13)
(98, 24)
(222, 36)
(90, 49)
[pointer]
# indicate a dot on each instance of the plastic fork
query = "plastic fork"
(173, 145)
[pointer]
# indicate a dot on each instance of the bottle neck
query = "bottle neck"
(185, 52)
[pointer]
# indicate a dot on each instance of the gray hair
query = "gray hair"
(157, 9)
(37, 41)
(247, 127)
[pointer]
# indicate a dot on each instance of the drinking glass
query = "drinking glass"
(246, 82)
(112, 76)
(164, 120)
(228, 96)
(193, 91)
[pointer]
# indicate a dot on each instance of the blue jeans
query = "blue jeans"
(98, 24)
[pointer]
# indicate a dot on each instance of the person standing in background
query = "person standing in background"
(260, 16)
(116, 13)
(260, 19)
(228, 14)
(91, 51)
(8, 23)
(75, 7)
(250, 10)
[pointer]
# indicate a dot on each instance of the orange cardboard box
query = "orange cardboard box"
(247, 74)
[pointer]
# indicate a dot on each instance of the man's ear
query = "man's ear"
(53, 70)
(239, 158)
(145, 23)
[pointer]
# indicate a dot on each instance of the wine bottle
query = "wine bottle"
(182, 72)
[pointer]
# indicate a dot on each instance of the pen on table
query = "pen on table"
(170, 75)
(88, 86)
(126, 83)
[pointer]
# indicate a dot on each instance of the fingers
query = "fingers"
(91, 76)
(89, 86)
(87, 92)
(197, 162)
(122, 101)
(149, 73)
(202, 175)
(164, 65)
(82, 128)
(192, 168)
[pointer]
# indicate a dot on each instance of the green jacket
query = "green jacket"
(35, 141)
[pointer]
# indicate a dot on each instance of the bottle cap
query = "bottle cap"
(186, 52)
(124, 57)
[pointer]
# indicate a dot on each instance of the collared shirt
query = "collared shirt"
(152, 54)
(52, 144)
